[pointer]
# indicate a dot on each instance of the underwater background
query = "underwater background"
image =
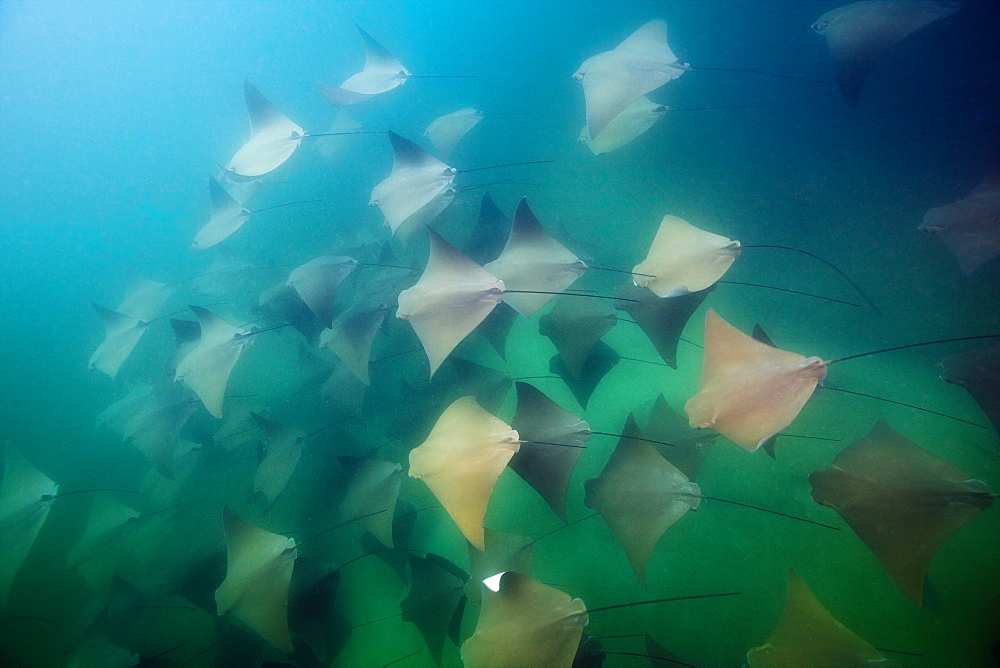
(114, 114)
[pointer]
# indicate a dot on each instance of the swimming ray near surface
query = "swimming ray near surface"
(661, 320)
(970, 227)
(446, 131)
(282, 447)
(554, 441)
(273, 138)
(684, 258)
(461, 460)
(207, 367)
(490, 233)
(749, 390)
(808, 635)
(859, 34)
(534, 262)
(525, 623)
(351, 335)
(25, 501)
(259, 566)
(640, 495)
(979, 373)
(416, 191)
(615, 79)
(624, 128)
(574, 325)
(381, 73)
(372, 489)
(121, 335)
(601, 360)
(452, 297)
(901, 500)
(435, 601)
(317, 282)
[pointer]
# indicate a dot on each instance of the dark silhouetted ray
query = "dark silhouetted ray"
(372, 490)
(640, 495)
(490, 234)
(554, 440)
(860, 33)
(971, 226)
(808, 635)
(496, 327)
(461, 460)
(312, 615)
(601, 360)
(504, 552)
(979, 373)
(525, 623)
(574, 325)
(285, 303)
(901, 500)
(689, 446)
(661, 320)
(282, 451)
(436, 600)
(316, 282)
(352, 335)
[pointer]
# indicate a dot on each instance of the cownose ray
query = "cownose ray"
(688, 447)
(808, 635)
(372, 489)
(684, 258)
(453, 295)
(534, 262)
(574, 326)
(504, 552)
(615, 79)
(317, 282)
(144, 298)
(187, 333)
(282, 447)
(749, 390)
(25, 494)
(435, 601)
(901, 500)
(121, 335)
(273, 138)
(554, 441)
(979, 373)
(970, 227)
(403, 522)
(416, 191)
(601, 360)
(461, 460)
(207, 367)
(496, 327)
(489, 386)
(259, 566)
(344, 391)
(625, 127)
(446, 131)
(490, 234)
(859, 34)
(525, 623)
(661, 320)
(157, 427)
(285, 303)
(640, 495)
(313, 614)
(381, 73)
(226, 217)
(351, 335)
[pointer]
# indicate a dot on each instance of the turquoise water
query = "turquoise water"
(114, 115)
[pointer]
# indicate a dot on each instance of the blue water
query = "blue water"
(113, 116)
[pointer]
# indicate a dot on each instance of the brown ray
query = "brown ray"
(533, 260)
(284, 303)
(555, 439)
(599, 362)
(504, 552)
(689, 446)
(808, 635)
(749, 390)
(435, 601)
(461, 460)
(901, 500)
(970, 227)
(858, 34)
(258, 574)
(372, 490)
(661, 320)
(525, 623)
(452, 297)
(489, 386)
(640, 495)
(317, 280)
(574, 325)
(979, 373)
(683, 259)
(352, 334)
